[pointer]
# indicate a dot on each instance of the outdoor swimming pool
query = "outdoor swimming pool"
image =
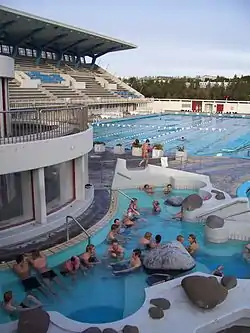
(223, 136)
(102, 297)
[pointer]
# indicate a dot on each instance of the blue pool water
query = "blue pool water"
(204, 135)
(101, 297)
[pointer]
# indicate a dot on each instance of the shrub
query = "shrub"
(158, 146)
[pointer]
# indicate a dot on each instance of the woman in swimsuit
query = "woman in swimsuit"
(145, 154)
(71, 267)
(88, 258)
(146, 241)
(194, 246)
(132, 211)
(39, 261)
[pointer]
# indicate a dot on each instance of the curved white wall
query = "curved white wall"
(6, 67)
(41, 153)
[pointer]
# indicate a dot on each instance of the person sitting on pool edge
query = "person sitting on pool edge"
(146, 241)
(193, 245)
(168, 189)
(129, 266)
(13, 309)
(156, 206)
(29, 282)
(88, 258)
(115, 250)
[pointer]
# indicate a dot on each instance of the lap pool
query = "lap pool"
(204, 135)
(102, 297)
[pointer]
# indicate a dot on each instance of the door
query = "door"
(219, 108)
(196, 106)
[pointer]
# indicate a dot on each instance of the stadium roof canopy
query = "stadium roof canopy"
(32, 32)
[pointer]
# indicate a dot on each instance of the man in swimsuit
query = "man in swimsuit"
(30, 302)
(194, 246)
(145, 154)
(115, 250)
(129, 266)
(88, 258)
(71, 267)
(112, 233)
(22, 270)
(39, 261)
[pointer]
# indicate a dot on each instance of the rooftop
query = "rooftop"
(28, 31)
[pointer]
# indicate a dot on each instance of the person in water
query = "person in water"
(218, 271)
(133, 211)
(129, 266)
(146, 241)
(148, 189)
(88, 258)
(29, 282)
(180, 239)
(112, 233)
(13, 309)
(168, 189)
(156, 206)
(115, 250)
(127, 223)
(145, 153)
(39, 261)
(193, 244)
(157, 241)
(71, 267)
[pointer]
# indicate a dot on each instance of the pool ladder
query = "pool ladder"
(71, 218)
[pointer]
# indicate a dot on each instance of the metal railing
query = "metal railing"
(41, 124)
(125, 195)
(71, 218)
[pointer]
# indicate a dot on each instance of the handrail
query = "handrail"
(69, 217)
(125, 195)
(122, 175)
(225, 205)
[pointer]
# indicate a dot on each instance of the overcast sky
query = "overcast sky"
(174, 37)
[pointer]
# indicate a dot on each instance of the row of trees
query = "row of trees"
(237, 88)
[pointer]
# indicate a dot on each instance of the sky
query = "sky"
(174, 37)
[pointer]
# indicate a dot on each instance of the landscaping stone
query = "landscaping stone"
(162, 303)
(229, 282)
(34, 320)
(92, 330)
(192, 202)
(130, 329)
(109, 330)
(204, 292)
(155, 312)
(214, 222)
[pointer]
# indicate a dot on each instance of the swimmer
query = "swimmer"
(194, 246)
(71, 267)
(157, 242)
(88, 258)
(127, 223)
(156, 207)
(13, 309)
(148, 189)
(129, 266)
(180, 239)
(132, 211)
(146, 241)
(168, 189)
(218, 271)
(115, 250)
(112, 233)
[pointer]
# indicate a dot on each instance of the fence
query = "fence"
(41, 124)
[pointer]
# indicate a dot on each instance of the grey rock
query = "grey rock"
(33, 320)
(229, 282)
(220, 196)
(155, 313)
(204, 292)
(171, 256)
(214, 222)
(130, 329)
(192, 202)
(162, 303)
(109, 330)
(92, 330)
(174, 201)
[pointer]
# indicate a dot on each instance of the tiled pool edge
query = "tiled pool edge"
(81, 237)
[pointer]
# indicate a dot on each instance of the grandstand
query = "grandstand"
(51, 66)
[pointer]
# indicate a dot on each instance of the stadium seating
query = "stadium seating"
(62, 82)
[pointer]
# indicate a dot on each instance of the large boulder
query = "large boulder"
(130, 329)
(92, 330)
(229, 282)
(214, 222)
(171, 258)
(174, 201)
(192, 202)
(162, 303)
(33, 320)
(204, 292)
(155, 313)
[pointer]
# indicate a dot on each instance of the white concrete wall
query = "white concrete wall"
(36, 154)
(31, 83)
(7, 67)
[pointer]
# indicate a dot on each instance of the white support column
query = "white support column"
(6, 73)
(26, 187)
(39, 196)
(80, 178)
(66, 182)
(86, 169)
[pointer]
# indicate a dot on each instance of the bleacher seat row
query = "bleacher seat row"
(53, 85)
